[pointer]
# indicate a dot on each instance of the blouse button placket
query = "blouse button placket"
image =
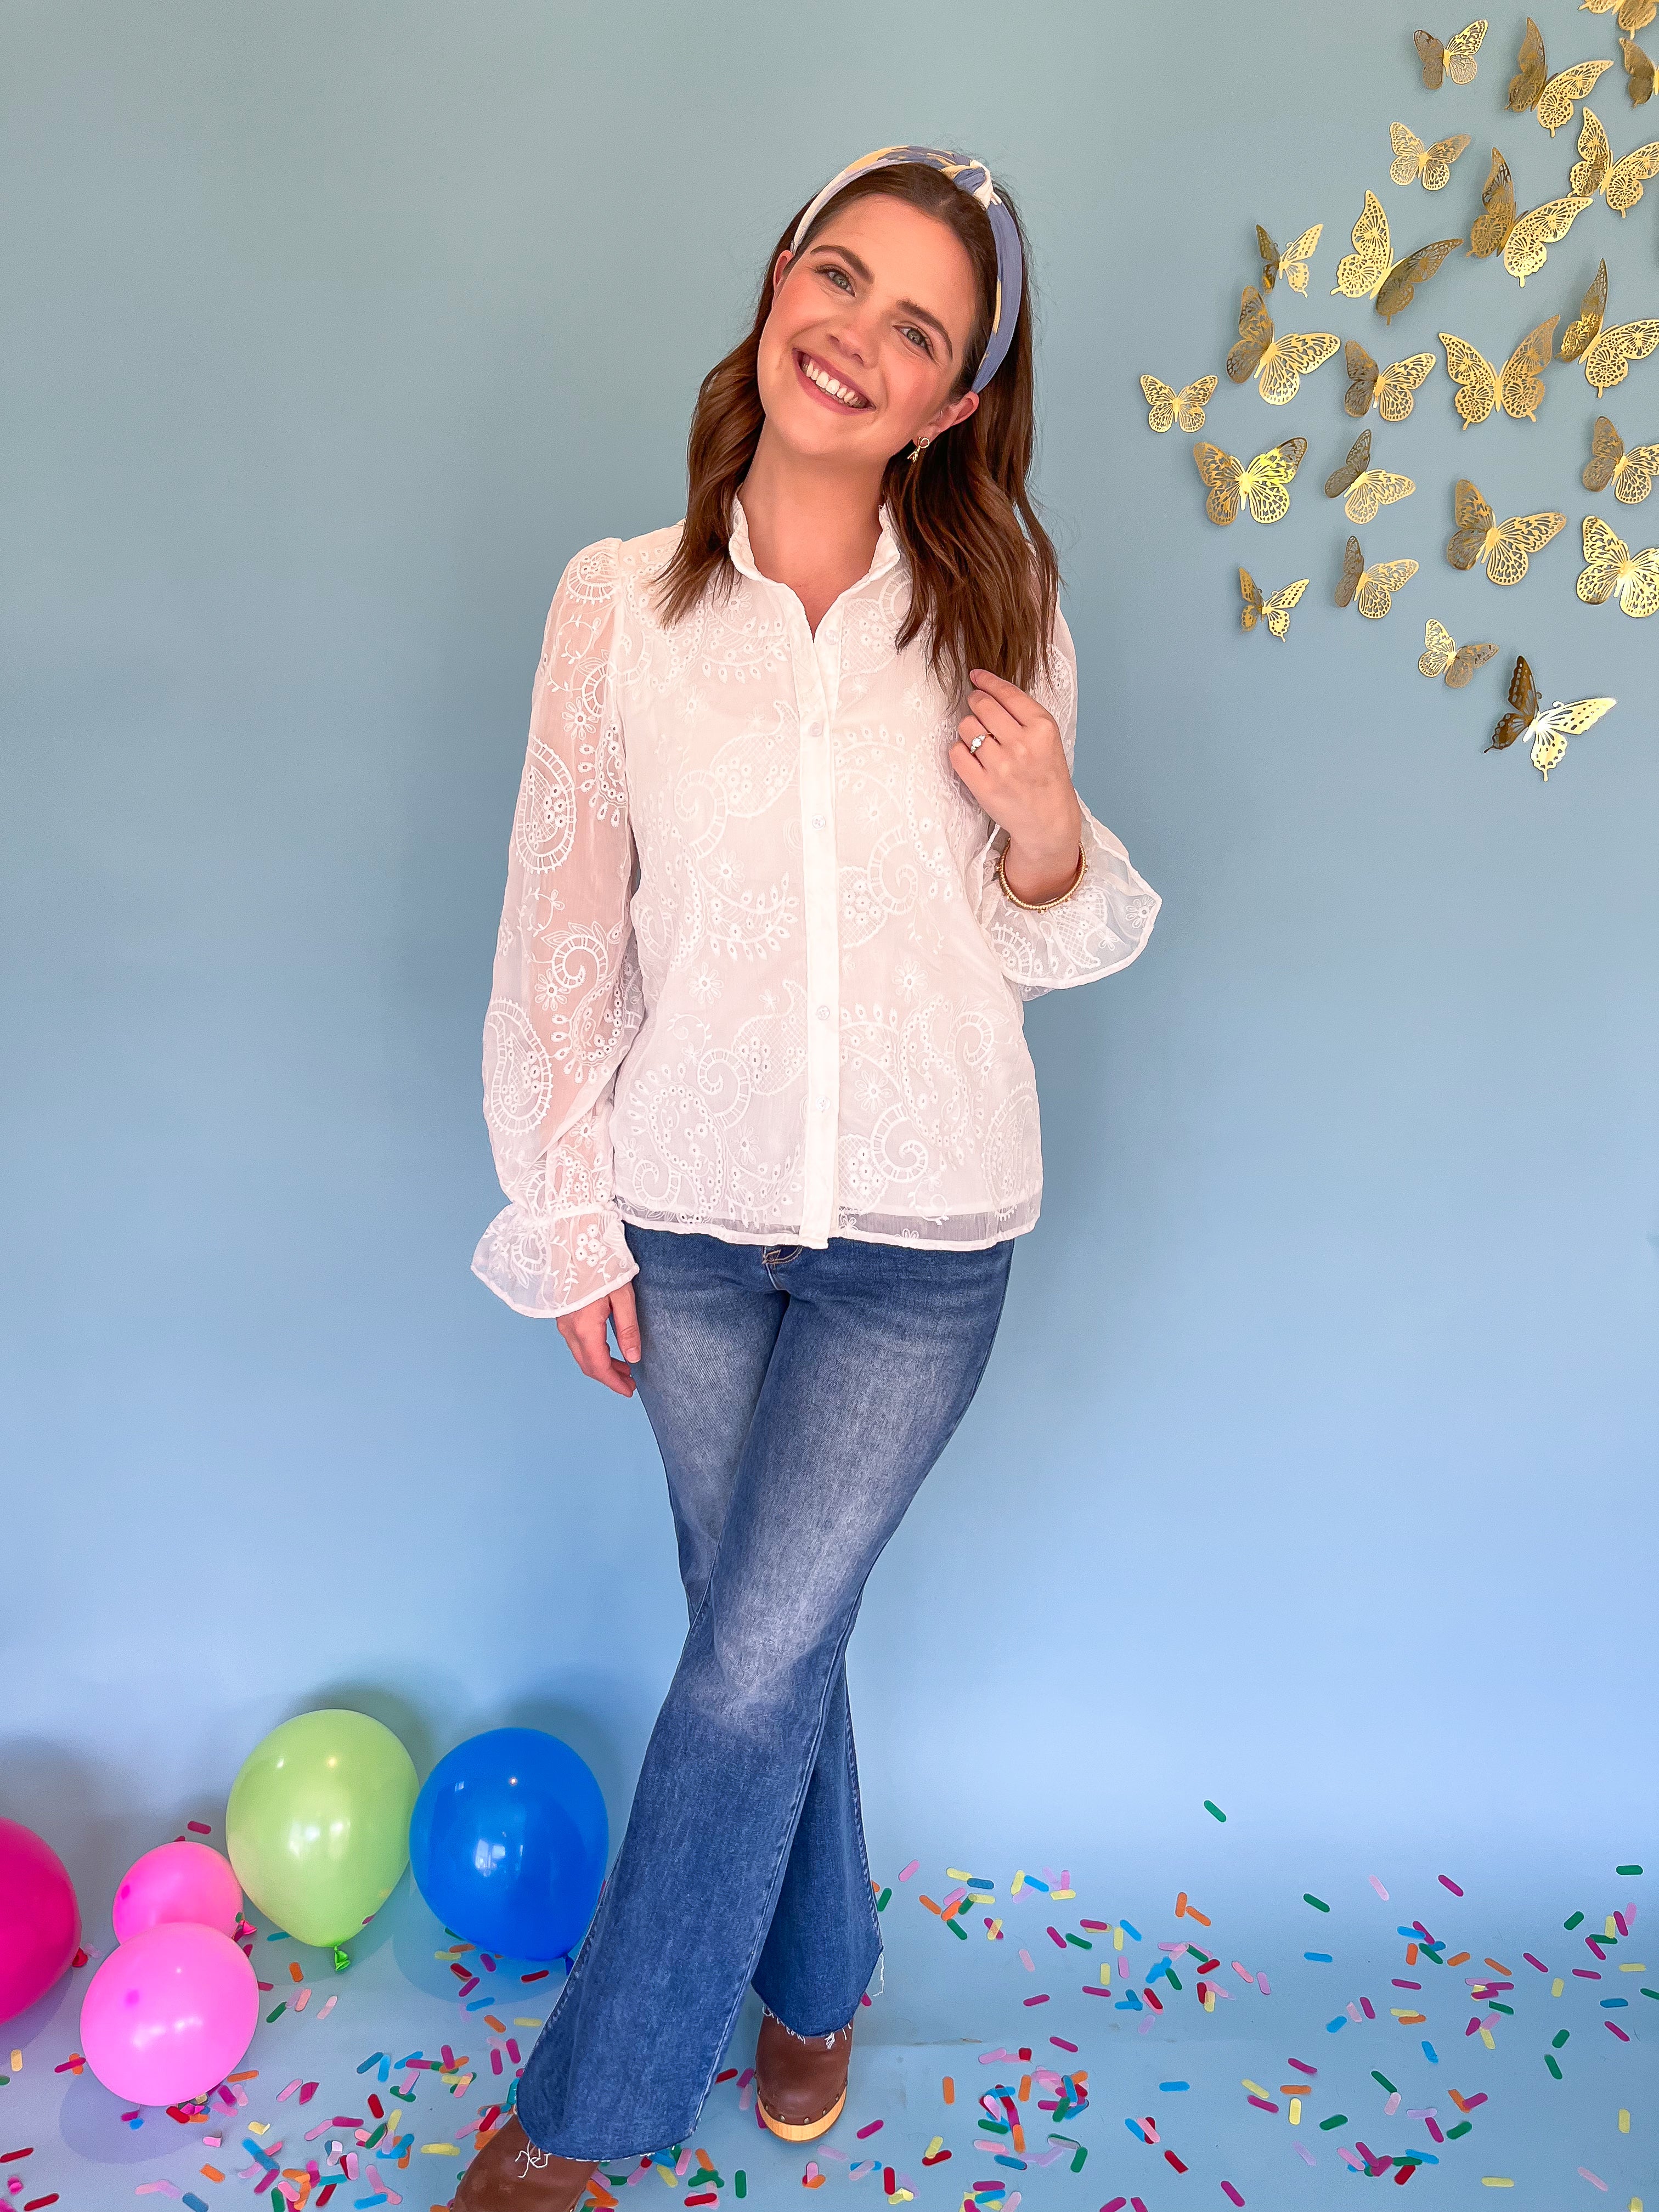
(817, 671)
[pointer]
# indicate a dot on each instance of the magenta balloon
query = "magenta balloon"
(39, 1919)
(169, 2013)
(177, 1882)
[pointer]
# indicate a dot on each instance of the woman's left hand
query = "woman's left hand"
(1018, 774)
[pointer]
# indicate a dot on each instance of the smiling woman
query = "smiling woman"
(904, 351)
(796, 838)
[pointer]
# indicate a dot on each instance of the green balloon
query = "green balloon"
(318, 1823)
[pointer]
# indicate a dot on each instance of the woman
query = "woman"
(797, 834)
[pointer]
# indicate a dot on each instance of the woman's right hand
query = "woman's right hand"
(583, 1331)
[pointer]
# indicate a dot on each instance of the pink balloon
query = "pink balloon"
(39, 1919)
(177, 1882)
(169, 2013)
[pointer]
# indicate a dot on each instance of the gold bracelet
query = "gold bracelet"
(1041, 906)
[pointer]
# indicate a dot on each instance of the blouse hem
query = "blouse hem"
(729, 1236)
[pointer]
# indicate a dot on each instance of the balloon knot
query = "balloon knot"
(342, 1958)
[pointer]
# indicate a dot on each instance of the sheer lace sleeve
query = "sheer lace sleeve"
(566, 1001)
(1107, 919)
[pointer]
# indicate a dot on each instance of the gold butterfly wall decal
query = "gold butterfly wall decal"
(1638, 72)
(1393, 388)
(1524, 240)
(1165, 405)
(1415, 163)
(1373, 587)
(1631, 472)
(1275, 609)
(1610, 568)
(1455, 58)
(1526, 247)
(1367, 489)
(1633, 15)
(1503, 547)
(1441, 655)
(1590, 171)
(1619, 183)
(1292, 264)
(1521, 386)
(1371, 272)
(1551, 99)
(1547, 727)
(1277, 364)
(1263, 489)
(1492, 225)
(1607, 362)
(1581, 332)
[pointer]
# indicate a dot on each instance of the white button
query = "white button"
(823, 1013)
(817, 822)
(824, 1105)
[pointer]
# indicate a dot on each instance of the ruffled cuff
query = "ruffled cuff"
(1101, 928)
(548, 1264)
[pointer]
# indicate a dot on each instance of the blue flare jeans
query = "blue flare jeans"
(798, 1398)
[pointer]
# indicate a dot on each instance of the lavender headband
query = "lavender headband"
(975, 179)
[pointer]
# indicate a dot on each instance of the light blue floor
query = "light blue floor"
(1547, 2138)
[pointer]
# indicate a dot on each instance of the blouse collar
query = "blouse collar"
(885, 557)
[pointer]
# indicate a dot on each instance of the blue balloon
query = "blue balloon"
(508, 1843)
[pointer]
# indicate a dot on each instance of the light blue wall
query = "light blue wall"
(1314, 1470)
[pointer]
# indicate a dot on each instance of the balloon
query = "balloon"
(508, 1843)
(169, 2013)
(178, 1881)
(39, 1919)
(318, 1823)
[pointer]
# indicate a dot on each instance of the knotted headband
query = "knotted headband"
(975, 179)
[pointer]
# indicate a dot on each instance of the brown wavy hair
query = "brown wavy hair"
(984, 579)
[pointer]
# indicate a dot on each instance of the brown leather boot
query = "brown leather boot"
(509, 2174)
(800, 2082)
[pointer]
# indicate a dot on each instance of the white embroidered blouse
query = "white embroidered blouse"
(755, 976)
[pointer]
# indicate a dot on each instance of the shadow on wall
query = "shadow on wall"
(83, 1812)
